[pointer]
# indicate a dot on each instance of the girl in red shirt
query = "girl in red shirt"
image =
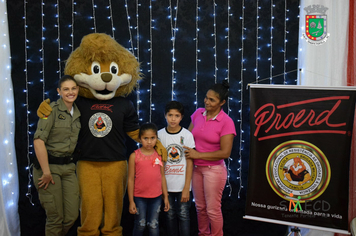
(146, 183)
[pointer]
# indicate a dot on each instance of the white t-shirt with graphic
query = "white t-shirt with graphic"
(175, 167)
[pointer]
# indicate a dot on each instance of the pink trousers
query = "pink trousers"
(208, 183)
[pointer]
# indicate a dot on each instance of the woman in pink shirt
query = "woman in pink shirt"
(213, 132)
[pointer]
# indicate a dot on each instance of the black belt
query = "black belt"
(60, 160)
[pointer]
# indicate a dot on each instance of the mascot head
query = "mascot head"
(103, 68)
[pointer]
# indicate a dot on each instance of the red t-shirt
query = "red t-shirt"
(148, 182)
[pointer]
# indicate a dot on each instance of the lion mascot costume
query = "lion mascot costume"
(106, 72)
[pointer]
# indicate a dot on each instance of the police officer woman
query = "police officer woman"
(54, 142)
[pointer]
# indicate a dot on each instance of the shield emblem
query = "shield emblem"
(315, 27)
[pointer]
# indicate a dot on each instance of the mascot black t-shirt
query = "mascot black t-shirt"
(108, 121)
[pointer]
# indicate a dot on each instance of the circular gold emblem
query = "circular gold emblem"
(100, 125)
(300, 168)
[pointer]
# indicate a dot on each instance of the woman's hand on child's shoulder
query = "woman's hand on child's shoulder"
(190, 153)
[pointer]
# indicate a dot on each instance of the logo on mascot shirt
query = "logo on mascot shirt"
(299, 168)
(105, 107)
(100, 124)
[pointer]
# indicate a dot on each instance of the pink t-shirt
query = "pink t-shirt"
(148, 182)
(207, 134)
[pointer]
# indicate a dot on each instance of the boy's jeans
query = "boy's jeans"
(178, 219)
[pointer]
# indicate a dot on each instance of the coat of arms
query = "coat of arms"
(316, 24)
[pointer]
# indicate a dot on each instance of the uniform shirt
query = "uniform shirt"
(104, 127)
(148, 181)
(207, 134)
(59, 130)
(175, 167)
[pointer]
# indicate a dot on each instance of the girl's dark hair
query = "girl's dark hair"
(64, 79)
(147, 126)
(222, 90)
(174, 105)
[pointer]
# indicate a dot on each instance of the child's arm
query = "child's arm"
(188, 179)
(131, 184)
(164, 190)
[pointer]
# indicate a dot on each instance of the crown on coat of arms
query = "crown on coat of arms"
(316, 8)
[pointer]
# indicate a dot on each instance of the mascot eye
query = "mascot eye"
(114, 68)
(95, 67)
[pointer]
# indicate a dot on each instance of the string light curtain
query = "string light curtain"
(183, 46)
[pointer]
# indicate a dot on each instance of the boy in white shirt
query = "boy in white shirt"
(178, 169)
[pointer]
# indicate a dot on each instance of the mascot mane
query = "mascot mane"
(103, 49)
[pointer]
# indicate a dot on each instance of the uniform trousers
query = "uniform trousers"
(60, 200)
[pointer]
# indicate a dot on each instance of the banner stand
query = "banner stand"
(300, 147)
(295, 231)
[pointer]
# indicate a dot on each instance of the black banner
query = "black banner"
(299, 156)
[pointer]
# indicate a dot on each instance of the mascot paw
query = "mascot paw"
(161, 150)
(44, 109)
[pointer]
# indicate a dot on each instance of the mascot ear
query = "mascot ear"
(126, 78)
(44, 109)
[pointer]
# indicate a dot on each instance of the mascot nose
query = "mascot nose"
(106, 77)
